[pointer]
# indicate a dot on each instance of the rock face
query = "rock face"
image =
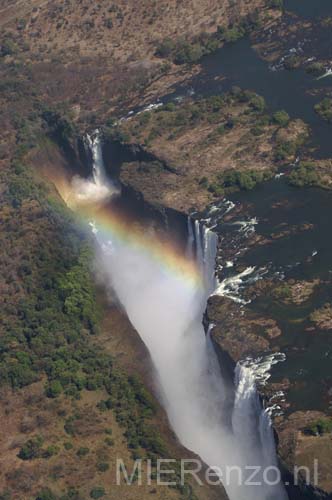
(305, 458)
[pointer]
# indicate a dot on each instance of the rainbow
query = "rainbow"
(120, 228)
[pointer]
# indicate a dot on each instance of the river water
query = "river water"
(301, 255)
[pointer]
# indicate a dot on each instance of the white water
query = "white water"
(167, 312)
(326, 74)
(97, 188)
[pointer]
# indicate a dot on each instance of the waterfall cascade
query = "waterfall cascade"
(98, 168)
(167, 311)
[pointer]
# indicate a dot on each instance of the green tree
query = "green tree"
(97, 492)
(54, 389)
(257, 102)
(281, 118)
(31, 449)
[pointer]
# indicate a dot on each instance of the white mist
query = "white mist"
(167, 312)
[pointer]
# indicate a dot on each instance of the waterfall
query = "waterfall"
(225, 428)
(98, 188)
(98, 168)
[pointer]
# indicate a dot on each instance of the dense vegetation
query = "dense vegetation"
(232, 180)
(237, 110)
(304, 174)
(183, 51)
(320, 427)
(51, 318)
(324, 109)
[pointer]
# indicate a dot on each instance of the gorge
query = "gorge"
(164, 291)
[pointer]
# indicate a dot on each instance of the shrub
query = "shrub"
(5, 495)
(187, 53)
(50, 451)
(46, 494)
(109, 441)
(54, 389)
(324, 109)
(97, 492)
(108, 23)
(282, 292)
(292, 62)
(165, 48)
(245, 180)
(257, 103)
(257, 130)
(304, 175)
(31, 449)
(281, 118)
(82, 451)
(103, 466)
(320, 427)
(233, 34)
(315, 68)
(8, 48)
(60, 125)
(284, 150)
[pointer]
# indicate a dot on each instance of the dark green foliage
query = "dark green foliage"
(282, 292)
(109, 441)
(50, 451)
(284, 150)
(103, 467)
(77, 291)
(8, 48)
(115, 133)
(31, 449)
(292, 62)
(108, 23)
(257, 131)
(324, 109)
(46, 330)
(46, 494)
(97, 492)
(304, 175)
(257, 102)
(165, 48)
(54, 389)
(315, 68)
(320, 427)
(5, 495)
(144, 118)
(183, 51)
(233, 180)
(72, 494)
(188, 53)
(142, 396)
(281, 118)
(234, 34)
(82, 451)
(59, 125)
(245, 180)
